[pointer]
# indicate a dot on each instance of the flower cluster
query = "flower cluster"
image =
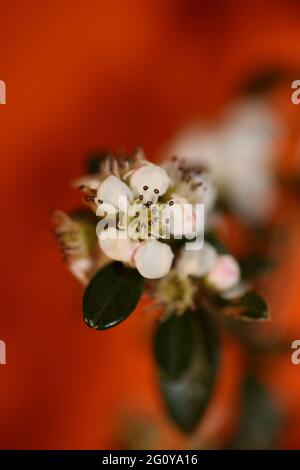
(136, 206)
(140, 236)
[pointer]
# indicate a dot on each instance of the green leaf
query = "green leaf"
(186, 352)
(255, 265)
(253, 307)
(111, 296)
(174, 335)
(260, 419)
(250, 307)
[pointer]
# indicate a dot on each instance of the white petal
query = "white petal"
(174, 216)
(183, 218)
(153, 259)
(197, 263)
(115, 247)
(225, 273)
(152, 177)
(111, 189)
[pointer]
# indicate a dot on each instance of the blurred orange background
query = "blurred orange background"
(86, 75)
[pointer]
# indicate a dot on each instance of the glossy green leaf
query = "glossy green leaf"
(186, 352)
(175, 345)
(111, 296)
(253, 307)
(250, 307)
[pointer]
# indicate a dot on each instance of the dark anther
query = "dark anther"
(156, 191)
(100, 201)
(140, 197)
(171, 203)
(145, 188)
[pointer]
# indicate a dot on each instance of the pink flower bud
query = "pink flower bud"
(224, 274)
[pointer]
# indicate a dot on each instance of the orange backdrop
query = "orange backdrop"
(82, 75)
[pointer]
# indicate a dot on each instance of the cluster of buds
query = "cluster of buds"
(141, 209)
(139, 205)
(219, 273)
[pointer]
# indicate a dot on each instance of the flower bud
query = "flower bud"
(224, 274)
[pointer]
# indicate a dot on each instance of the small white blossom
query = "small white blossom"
(140, 187)
(240, 150)
(153, 259)
(197, 263)
(119, 249)
(225, 273)
(110, 191)
(150, 181)
(192, 182)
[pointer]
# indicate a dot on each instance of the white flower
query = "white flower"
(153, 259)
(181, 218)
(225, 274)
(240, 151)
(192, 182)
(150, 181)
(119, 249)
(141, 203)
(197, 263)
(129, 242)
(110, 191)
